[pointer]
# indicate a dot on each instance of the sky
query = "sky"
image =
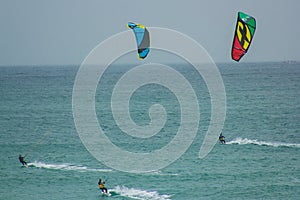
(63, 32)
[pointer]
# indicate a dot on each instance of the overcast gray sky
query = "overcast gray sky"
(35, 32)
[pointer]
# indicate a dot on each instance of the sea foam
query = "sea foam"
(140, 193)
(65, 166)
(243, 141)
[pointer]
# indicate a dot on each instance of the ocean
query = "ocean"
(260, 159)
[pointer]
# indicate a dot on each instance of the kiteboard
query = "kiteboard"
(27, 166)
(106, 193)
(109, 193)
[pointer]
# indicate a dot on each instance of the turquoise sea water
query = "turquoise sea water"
(262, 130)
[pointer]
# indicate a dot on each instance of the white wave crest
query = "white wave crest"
(160, 173)
(242, 141)
(140, 194)
(66, 166)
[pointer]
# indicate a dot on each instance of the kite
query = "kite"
(244, 32)
(142, 39)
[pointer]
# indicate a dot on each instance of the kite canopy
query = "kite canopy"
(142, 39)
(244, 32)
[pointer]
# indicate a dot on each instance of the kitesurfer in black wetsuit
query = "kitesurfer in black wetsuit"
(21, 159)
(222, 139)
(101, 186)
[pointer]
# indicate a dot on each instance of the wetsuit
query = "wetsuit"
(101, 186)
(222, 139)
(21, 159)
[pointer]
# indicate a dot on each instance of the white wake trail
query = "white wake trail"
(66, 166)
(244, 141)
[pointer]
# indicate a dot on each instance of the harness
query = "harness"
(101, 185)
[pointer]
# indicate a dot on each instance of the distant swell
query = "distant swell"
(65, 166)
(242, 141)
(140, 194)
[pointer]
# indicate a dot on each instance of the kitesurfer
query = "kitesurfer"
(21, 159)
(222, 139)
(101, 186)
